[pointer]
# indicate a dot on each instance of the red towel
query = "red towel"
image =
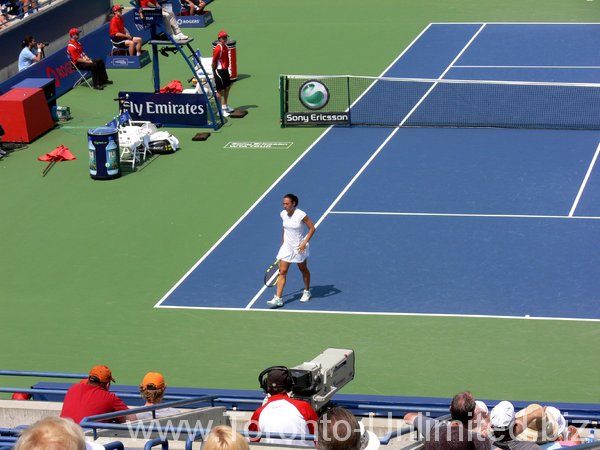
(60, 153)
(174, 87)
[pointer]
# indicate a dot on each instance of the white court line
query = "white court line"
(262, 289)
(500, 216)
(269, 189)
(233, 227)
(585, 180)
(390, 136)
(527, 67)
(364, 313)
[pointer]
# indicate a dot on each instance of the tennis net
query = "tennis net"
(378, 101)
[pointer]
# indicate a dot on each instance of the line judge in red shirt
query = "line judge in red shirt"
(119, 36)
(83, 61)
(220, 67)
(282, 414)
(91, 397)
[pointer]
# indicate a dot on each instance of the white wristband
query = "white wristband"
(39, 50)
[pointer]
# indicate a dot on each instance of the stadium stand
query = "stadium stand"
(205, 408)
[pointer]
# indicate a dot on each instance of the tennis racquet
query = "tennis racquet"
(272, 274)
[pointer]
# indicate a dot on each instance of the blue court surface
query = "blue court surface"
(436, 221)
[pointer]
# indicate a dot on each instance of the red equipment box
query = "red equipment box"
(24, 114)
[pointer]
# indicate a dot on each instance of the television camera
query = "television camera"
(316, 381)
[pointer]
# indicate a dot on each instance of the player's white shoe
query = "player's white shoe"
(275, 301)
(229, 109)
(305, 296)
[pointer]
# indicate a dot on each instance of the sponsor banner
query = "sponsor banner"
(167, 109)
(316, 118)
(127, 62)
(195, 21)
(259, 145)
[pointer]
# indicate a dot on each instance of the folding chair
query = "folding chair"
(134, 138)
(83, 75)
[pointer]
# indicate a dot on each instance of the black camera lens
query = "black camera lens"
(46, 43)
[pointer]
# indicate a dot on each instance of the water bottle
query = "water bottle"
(112, 163)
(591, 435)
(92, 155)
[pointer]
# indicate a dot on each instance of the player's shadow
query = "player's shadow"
(321, 291)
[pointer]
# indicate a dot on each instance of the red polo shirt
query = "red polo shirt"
(83, 400)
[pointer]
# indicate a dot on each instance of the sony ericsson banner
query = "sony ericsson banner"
(335, 118)
(169, 109)
(314, 96)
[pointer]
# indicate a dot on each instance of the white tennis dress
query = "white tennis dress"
(293, 228)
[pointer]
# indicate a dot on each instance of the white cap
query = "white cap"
(503, 415)
(481, 406)
(368, 439)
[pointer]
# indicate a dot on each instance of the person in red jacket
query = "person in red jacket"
(119, 36)
(83, 61)
(91, 397)
(281, 414)
(220, 68)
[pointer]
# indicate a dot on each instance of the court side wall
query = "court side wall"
(56, 65)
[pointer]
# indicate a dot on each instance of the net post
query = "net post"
(282, 99)
(349, 101)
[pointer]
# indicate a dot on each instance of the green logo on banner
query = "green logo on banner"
(314, 94)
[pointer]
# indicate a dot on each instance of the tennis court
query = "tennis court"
(451, 221)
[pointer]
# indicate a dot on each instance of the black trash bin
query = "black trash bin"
(103, 148)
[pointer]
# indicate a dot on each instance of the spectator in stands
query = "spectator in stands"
(458, 434)
(192, 7)
(220, 68)
(91, 397)
(52, 433)
(29, 7)
(83, 61)
(152, 390)
(481, 419)
(505, 426)
(169, 20)
(568, 438)
(32, 52)
(223, 437)
(281, 414)
(338, 429)
(120, 37)
(547, 425)
(10, 9)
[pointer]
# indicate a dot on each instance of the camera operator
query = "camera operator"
(280, 414)
(32, 52)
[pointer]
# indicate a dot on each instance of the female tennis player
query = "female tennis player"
(294, 247)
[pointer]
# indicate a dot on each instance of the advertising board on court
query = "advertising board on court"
(313, 96)
(167, 109)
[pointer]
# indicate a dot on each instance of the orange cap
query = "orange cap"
(103, 374)
(155, 379)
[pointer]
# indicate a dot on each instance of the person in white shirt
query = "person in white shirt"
(294, 247)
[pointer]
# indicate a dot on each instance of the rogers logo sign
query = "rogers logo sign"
(60, 72)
